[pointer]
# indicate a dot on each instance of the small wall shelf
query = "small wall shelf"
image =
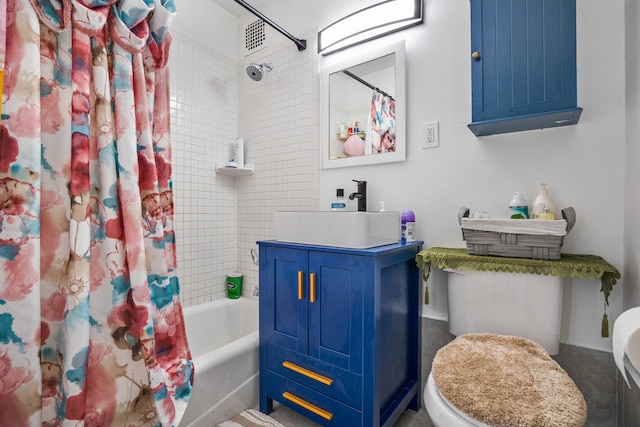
(222, 169)
(362, 135)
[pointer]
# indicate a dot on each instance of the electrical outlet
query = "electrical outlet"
(430, 135)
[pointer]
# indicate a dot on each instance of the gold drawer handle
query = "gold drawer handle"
(311, 407)
(312, 287)
(300, 284)
(307, 373)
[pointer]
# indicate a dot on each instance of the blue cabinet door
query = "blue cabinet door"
(315, 304)
(284, 289)
(523, 65)
(335, 314)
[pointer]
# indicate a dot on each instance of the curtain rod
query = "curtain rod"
(302, 44)
(366, 83)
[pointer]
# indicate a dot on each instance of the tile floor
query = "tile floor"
(593, 371)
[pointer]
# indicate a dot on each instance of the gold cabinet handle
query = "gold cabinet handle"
(310, 406)
(300, 284)
(307, 373)
(475, 55)
(312, 287)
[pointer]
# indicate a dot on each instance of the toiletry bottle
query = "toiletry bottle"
(238, 155)
(343, 130)
(408, 226)
(356, 128)
(518, 207)
(340, 203)
(546, 213)
(540, 201)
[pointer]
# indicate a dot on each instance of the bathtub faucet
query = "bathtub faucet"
(256, 291)
(361, 195)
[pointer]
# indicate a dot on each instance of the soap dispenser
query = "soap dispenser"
(539, 203)
(546, 213)
(339, 203)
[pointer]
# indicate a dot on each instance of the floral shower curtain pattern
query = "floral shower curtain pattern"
(91, 327)
(381, 126)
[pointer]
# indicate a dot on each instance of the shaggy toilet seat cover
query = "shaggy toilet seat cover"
(507, 381)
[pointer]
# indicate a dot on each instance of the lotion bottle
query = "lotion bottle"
(542, 200)
(546, 213)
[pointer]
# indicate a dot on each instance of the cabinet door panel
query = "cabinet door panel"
(502, 40)
(527, 57)
(287, 319)
(335, 319)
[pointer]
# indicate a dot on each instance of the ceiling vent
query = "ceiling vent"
(254, 35)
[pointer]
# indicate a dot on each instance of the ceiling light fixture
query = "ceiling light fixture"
(369, 23)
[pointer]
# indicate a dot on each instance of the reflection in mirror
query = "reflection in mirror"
(362, 112)
(363, 100)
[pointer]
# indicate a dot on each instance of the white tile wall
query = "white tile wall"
(278, 117)
(220, 218)
(204, 110)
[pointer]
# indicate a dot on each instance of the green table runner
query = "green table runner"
(569, 265)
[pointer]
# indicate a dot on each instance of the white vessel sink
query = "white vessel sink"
(358, 230)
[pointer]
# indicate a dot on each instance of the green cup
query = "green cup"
(234, 285)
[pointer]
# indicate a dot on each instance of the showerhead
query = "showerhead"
(255, 70)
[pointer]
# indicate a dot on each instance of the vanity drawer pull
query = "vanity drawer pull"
(311, 407)
(307, 373)
(312, 287)
(300, 284)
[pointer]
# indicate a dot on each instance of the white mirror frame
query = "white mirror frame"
(399, 155)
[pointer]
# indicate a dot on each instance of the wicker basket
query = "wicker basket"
(515, 245)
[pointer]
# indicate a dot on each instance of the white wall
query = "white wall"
(204, 112)
(210, 24)
(632, 205)
(584, 165)
(278, 118)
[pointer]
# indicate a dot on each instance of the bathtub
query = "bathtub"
(223, 337)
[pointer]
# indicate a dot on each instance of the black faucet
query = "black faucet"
(361, 195)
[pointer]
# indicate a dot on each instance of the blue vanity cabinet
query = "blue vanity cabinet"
(523, 65)
(340, 332)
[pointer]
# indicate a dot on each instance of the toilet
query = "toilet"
(499, 306)
(443, 413)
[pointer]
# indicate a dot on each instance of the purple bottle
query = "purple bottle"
(408, 226)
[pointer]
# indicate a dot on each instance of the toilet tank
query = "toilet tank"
(527, 305)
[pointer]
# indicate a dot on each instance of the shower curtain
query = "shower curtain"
(381, 125)
(91, 327)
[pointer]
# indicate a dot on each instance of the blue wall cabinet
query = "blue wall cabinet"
(340, 332)
(523, 65)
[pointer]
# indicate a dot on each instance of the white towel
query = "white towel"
(251, 418)
(517, 226)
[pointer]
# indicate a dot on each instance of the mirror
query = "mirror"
(363, 109)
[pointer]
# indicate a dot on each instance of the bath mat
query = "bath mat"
(251, 418)
(507, 381)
